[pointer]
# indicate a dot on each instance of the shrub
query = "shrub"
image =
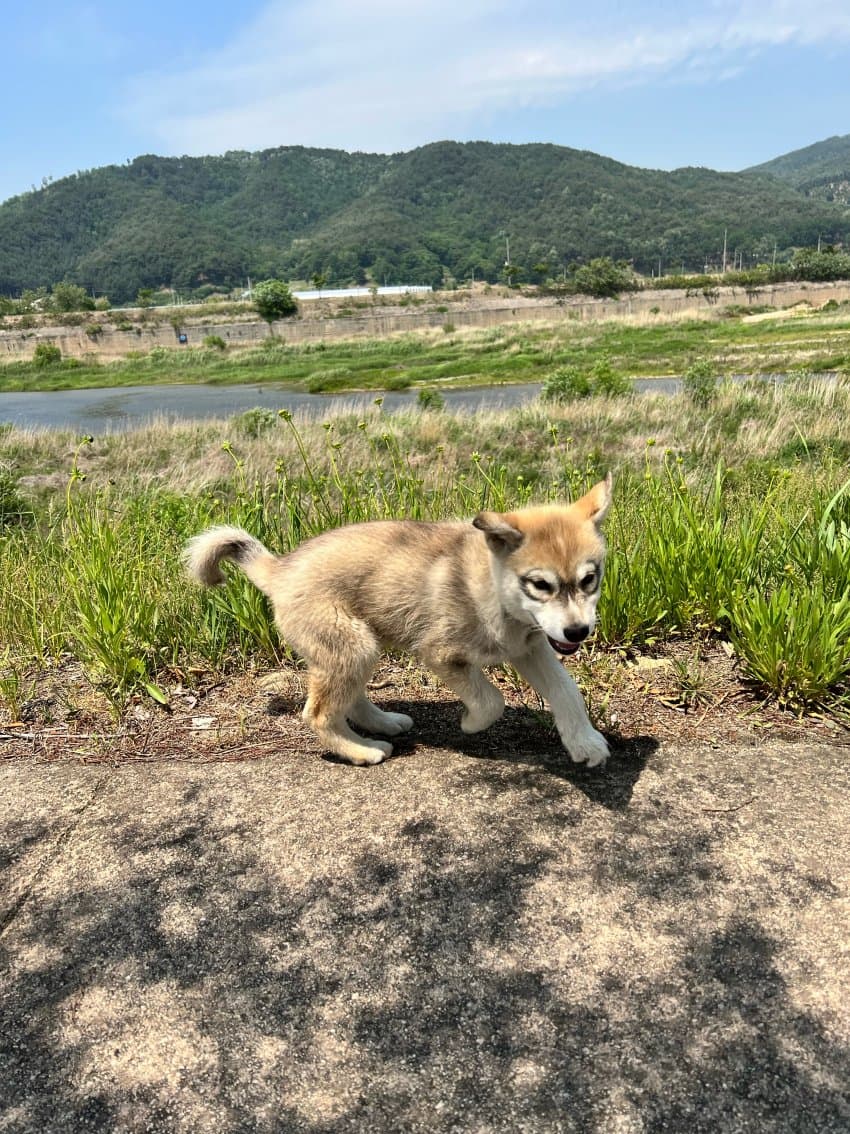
(71, 297)
(566, 384)
(46, 354)
(604, 278)
(605, 380)
(700, 382)
(273, 300)
(254, 422)
(794, 642)
(332, 378)
(215, 342)
(430, 400)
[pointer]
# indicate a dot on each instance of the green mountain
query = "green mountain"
(821, 171)
(446, 209)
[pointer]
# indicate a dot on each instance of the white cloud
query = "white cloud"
(383, 75)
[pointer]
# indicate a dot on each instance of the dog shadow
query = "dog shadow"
(520, 740)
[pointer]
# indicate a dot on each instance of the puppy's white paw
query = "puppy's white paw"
(589, 747)
(366, 753)
(482, 716)
(393, 724)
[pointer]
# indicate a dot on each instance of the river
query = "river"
(127, 407)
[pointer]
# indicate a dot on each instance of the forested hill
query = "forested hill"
(447, 209)
(820, 171)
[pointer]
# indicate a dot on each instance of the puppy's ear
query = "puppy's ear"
(500, 531)
(594, 504)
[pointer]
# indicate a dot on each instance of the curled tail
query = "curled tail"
(204, 553)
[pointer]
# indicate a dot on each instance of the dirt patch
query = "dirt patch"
(687, 693)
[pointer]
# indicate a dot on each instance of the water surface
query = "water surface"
(127, 407)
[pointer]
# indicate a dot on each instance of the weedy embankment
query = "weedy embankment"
(731, 524)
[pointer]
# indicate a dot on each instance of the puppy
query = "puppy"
(519, 587)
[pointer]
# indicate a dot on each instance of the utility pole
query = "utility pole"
(725, 233)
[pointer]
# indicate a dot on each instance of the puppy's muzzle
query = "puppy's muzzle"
(572, 639)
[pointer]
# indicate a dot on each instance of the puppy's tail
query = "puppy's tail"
(203, 555)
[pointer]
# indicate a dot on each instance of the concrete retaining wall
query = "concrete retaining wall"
(112, 344)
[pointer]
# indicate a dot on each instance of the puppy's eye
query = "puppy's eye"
(542, 586)
(588, 582)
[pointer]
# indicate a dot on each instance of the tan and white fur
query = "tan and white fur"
(518, 587)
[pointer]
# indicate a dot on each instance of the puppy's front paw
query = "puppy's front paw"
(589, 747)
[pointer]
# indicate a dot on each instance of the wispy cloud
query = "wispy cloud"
(380, 75)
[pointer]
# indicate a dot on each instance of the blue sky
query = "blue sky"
(723, 84)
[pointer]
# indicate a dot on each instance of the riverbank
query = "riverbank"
(737, 341)
(113, 335)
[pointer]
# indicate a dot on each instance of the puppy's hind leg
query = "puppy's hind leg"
(329, 701)
(368, 716)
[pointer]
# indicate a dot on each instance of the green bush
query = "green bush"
(215, 342)
(700, 382)
(604, 278)
(46, 354)
(794, 643)
(70, 297)
(273, 300)
(605, 380)
(566, 384)
(430, 400)
(332, 378)
(254, 422)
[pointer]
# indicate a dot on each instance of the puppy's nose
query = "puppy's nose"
(576, 633)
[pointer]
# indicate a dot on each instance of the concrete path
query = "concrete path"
(448, 942)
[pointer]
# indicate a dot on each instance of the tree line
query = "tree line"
(601, 277)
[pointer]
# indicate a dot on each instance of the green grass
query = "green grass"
(717, 529)
(515, 353)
